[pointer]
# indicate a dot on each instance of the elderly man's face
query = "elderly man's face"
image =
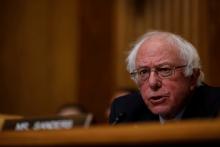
(164, 96)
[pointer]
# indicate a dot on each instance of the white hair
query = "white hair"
(187, 52)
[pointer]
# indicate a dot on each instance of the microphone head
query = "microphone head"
(121, 114)
(119, 117)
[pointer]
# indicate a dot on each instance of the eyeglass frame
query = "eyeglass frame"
(155, 69)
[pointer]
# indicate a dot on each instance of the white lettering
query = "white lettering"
(49, 125)
(22, 126)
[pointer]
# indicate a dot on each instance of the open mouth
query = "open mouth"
(155, 100)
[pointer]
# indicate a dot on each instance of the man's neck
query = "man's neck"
(176, 117)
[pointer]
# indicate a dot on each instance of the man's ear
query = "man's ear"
(194, 77)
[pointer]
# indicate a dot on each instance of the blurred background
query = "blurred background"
(54, 52)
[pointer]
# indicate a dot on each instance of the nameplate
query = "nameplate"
(47, 123)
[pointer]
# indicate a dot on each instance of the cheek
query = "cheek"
(144, 89)
(178, 91)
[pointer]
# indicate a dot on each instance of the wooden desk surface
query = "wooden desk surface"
(196, 131)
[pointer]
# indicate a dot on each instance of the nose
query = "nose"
(154, 81)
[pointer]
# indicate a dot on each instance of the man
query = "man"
(167, 71)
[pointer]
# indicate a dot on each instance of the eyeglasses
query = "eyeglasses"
(163, 71)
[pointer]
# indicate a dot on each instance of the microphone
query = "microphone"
(119, 118)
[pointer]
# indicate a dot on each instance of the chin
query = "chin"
(160, 111)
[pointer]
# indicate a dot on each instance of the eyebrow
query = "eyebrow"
(162, 64)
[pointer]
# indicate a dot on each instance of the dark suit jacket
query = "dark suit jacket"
(204, 103)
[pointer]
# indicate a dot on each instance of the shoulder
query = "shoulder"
(128, 103)
(130, 98)
(209, 91)
(207, 100)
(132, 107)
